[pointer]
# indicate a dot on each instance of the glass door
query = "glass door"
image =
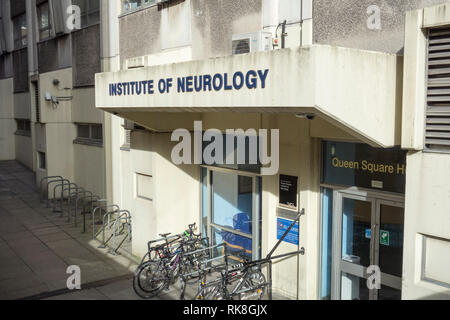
(366, 232)
(389, 248)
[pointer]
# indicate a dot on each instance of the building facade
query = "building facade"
(49, 120)
(352, 97)
(361, 148)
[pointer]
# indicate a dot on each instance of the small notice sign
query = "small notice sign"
(384, 237)
(293, 235)
(288, 191)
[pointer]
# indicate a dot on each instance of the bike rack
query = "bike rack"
(93, 198)
(62, 193)
(69, 189)
(53, 179)
(124, 216)
(106, 207)
(76, 203)
(73, 196)
(107, 215)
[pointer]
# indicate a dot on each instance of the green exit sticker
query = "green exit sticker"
(384, 238)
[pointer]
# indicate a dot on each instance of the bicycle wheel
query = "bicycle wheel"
(149, 279)
(255, 280)
(211, 292)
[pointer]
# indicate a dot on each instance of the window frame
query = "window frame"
(90, 140)
(147, 4)
(23, 127)
(21, 41)
(49, 27)
(85, 15)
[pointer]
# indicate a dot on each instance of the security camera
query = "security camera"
(308, 116)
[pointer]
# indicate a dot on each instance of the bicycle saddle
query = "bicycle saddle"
(164, 235)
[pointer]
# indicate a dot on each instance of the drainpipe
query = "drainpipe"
(109, 56)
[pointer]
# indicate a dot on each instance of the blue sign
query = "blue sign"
(252, 79)
(368, 233)
(292, 236)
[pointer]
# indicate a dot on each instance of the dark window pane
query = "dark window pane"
(387, 293)
(391, 240)
(83, 131)
(96, 132)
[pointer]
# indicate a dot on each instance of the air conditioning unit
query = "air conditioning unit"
(251, 42)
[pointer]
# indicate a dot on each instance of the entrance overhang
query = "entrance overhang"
(357, 91)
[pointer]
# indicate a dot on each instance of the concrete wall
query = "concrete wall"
(89, 168)
(426, 253)
(427, 217)
(24, 151)
(176, 190)
(206, 25)
(345, 23)
(62, 112)
(60, 149)
(7, 122)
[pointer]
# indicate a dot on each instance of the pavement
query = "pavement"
(37, 246)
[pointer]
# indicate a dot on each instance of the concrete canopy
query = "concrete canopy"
(356, 91)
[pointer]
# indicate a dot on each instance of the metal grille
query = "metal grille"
(37, 102)
(438, 97)
(241, 46)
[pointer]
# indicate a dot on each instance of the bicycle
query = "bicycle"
(166, 262)
(251, 283)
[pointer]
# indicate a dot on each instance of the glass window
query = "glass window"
(83, 131)
(96, 132)
(231, 212)
(90, 11)
(89, 133)
(129, 5)
(23, 127)
(327, 243)
(20, 31)
(45, 28)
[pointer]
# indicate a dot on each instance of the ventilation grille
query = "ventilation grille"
(438, 98)
(241, 46)
(37, 102)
